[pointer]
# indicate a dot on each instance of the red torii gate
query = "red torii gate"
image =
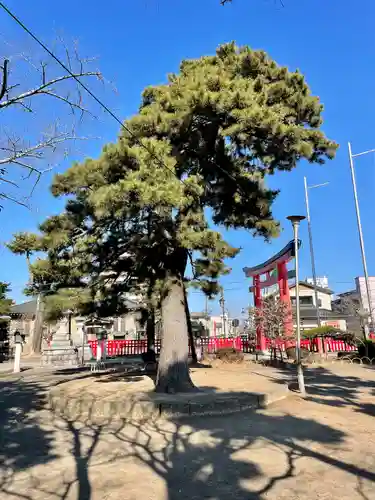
(277, 262)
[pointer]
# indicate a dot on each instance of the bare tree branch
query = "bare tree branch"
(36, 151)
(14, 200)
(73, 105)
(4, 83)
(2, 179)
(41, 88)
(19, 89)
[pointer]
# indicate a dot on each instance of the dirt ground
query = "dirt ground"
(319, 448)
(216, 377)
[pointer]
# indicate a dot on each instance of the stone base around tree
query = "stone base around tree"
(225, 389)
(151, 407)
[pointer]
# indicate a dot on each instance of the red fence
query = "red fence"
(330, 345)
(211, 344)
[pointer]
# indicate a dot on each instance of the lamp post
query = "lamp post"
(311, 245)
(295, 220)
(360, 234)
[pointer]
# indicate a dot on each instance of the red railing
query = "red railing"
(212, 344)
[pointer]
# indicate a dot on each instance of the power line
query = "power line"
(101, 103)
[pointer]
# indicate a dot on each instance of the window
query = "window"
(303, 301)
(306, 301)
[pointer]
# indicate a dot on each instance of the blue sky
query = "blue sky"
(139, 41)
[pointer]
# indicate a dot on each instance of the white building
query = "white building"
(362, 291)
(321, 281)
(214, 324)
(308, 307)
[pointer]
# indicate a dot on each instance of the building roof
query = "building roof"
(325, 314)
(320, 289)
(24, 308)
(197, 315)
(349, 293)
(29, 308)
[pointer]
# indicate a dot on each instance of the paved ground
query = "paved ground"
(322, 448)
(26, 363)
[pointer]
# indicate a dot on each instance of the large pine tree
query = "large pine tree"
(195, 157)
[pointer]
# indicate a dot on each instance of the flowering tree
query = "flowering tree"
(271, 318)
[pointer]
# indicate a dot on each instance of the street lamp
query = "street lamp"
(311, 245)
(295, 220)
(360, 234)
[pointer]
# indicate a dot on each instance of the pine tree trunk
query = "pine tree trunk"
(173, 373)
(36, 341)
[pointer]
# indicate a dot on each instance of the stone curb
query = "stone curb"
(143, 408)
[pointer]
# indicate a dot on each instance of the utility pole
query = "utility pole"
(360, 234)
(222, 304)
(206, 316)
(312, 247)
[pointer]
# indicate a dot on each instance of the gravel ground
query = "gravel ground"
(319, 448)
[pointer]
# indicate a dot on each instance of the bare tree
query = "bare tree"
(356, 316)
(35, 92)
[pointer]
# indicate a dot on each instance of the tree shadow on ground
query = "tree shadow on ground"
(326, 387)
(197, 457)
(216, 457)
(23, 441)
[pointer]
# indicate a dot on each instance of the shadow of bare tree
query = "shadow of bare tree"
(23, 442)
(327, 387)
(248, 455)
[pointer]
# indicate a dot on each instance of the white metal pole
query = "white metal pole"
(295, 220)
(99, 350)
(301, 381)
(360, 234)
(312, 252)
(17, 358)
(83, 344)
